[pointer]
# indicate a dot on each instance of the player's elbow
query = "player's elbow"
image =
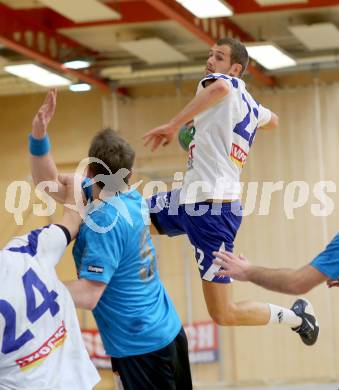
(91, 306)
(88, 293)
(90, 303)
(297, 286)
(300, 289)
(89, 299)
(274, 122)
(305, 279)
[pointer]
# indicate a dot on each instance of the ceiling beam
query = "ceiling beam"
(131, 11)
(209, 30)
(251, 6)
(35, 41)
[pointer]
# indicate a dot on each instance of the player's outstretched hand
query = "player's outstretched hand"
(233, 266)
(44, 115)
(162, 135)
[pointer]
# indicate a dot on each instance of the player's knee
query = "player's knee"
(227, 316)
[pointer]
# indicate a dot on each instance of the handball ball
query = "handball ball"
(186, 135)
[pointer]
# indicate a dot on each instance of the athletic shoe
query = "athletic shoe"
(309, 328)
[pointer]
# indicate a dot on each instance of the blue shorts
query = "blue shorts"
(209, 227)
(327, 262)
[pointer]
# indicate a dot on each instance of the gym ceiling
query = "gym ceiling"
(126, 42)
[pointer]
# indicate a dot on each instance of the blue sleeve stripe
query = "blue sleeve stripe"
(235, 83)
(32, 246)
(221, 76)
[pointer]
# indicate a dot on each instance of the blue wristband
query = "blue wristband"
(39, 147)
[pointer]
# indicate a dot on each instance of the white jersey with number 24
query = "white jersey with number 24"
(41, 346)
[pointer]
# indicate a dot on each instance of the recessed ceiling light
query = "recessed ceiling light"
(318, 36)
(269, 56)
(77, 64)
(82, 11)
(37, 75)
(207, 8)
(80, 87)
(154, 51)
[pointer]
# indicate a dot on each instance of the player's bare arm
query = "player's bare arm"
(284, 280)
(71, 218)
(43, 167)
(85, 293)
(272, 124)
(210, 96)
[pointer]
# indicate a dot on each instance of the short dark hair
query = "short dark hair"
(239, 54)
(113, 150)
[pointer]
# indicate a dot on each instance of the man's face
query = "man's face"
(219, 60)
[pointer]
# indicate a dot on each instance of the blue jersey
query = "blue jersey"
(134, 315)
(327, 262)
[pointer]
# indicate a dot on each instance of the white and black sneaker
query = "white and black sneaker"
(309, 328)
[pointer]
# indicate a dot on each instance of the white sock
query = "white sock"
(281, 315)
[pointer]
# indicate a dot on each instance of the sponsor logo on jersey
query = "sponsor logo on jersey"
(49, 346)
(238, 155)
(95, 269)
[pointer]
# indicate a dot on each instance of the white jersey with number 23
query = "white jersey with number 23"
(223, 137)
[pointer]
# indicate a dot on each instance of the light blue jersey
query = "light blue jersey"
(135, 315)
(327, 262)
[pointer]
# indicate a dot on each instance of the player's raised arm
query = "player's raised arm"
(208, 97)
(42, 164)
(71, 218)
